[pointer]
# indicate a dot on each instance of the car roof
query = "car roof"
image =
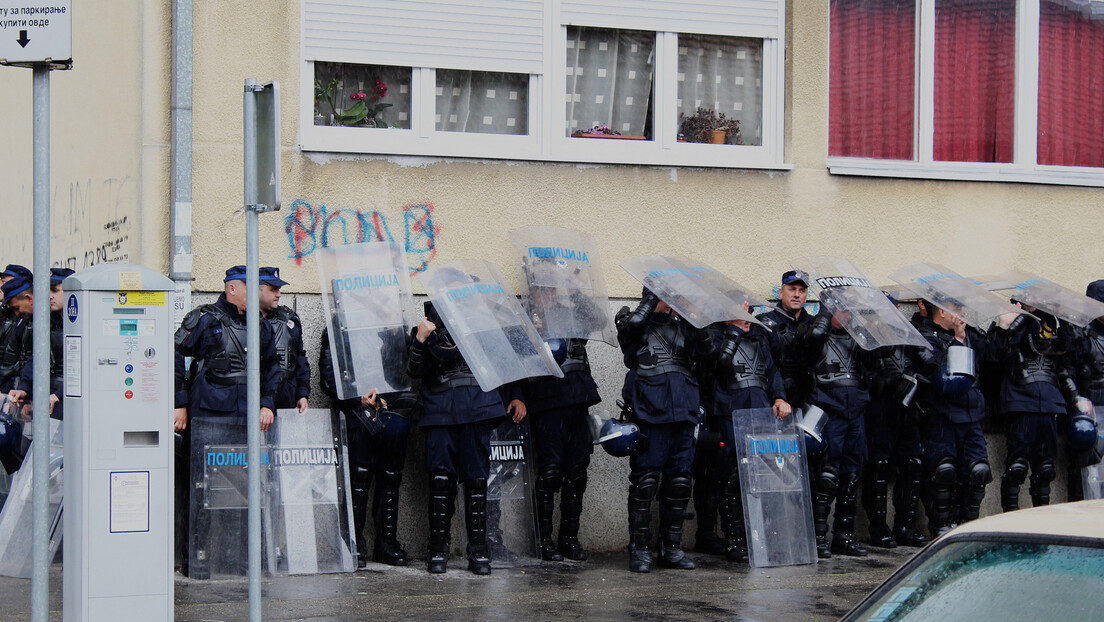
(1083, 519)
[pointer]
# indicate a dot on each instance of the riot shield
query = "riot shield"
(310, 496)
(511, 509)
(1092, 477)
(366, 295)
(865, 312)
(218, 529)
(778, 511)
(16, 520)
(1049, 296)
(695, 291)
(565, 293)
(954, 293)
(496, 337)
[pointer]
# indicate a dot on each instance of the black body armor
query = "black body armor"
(838, 365)
(228, 364)
(663, 348)
(281, 338)
(576, 359)
(749, 366)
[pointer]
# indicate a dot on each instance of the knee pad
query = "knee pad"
(880, 467)
(477, 485)
(576, 473)
(677, 486)
(645, 486)
(945, 473)
(980, 473)
(912, 467)
(441, 483)
(826, 481)
(361, 476)
(550, 478)
(1016, 472)
(1044, 474)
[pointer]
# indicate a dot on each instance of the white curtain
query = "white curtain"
(482, 101)
(609, 80)
(725, 74)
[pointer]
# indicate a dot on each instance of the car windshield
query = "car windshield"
(1003, 581)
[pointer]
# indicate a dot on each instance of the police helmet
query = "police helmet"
(1082, 431)
(814, 446)
(619, 439)
(558, 348)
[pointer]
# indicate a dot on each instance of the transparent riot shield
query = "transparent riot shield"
(496, 337)
(865, 312)
(954, 293)
(16, 520)
(778, 511)
(366, 296)
(1049, 296)
(511, 510)
(565, 291)
(695, 291)
(1092, 477)
(218, 526)
(310, 496)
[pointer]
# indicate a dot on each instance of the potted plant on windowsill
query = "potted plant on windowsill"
(365, 110)
(706, 126)
(603, 131)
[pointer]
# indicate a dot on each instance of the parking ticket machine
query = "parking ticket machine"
(118, 471)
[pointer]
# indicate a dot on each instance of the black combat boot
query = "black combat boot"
(843, 529)
(442, 500)
(387, 549)
(548, 482)
(905, 494)
(571, 508)
(641, 493)
(362, 482)
(707, 500)
(732, 520)
(672, 513)
(876, 501)
(475, 519)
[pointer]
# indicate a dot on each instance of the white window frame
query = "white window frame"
(547, 139)
(1024, 167)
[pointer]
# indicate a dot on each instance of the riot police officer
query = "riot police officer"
(1038, 387)
(22, 389)
(562, 438)
(457, 422)
(745, 378)
(839, 369)
(1090, 379)
(287, 333)
(659, 347)
(377, 429)
(15, 280)
(783, 322)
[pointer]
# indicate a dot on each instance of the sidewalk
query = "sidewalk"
(599, 589)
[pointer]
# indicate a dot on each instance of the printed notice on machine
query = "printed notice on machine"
(130, 505)
(72, 366)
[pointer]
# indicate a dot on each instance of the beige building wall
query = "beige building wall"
(110, 188)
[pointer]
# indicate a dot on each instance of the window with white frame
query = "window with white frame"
(487, 78)
(1003, 90)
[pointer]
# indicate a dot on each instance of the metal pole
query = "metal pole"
(40, 324)
(253, 350)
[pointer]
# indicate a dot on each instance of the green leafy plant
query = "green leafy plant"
(699, 127)
(365, 110)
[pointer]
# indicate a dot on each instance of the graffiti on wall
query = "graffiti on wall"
(310, 228)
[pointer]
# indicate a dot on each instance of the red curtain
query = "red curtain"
(975, 71)
(1071, 87)
(872, 78)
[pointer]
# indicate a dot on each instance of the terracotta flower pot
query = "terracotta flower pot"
(717, 137)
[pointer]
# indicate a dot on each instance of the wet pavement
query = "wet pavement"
(601, 588)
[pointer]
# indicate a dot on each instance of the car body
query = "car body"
(1044, 563)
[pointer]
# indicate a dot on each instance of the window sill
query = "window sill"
(968, 171)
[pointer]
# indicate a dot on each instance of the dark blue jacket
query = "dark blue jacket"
(25, 381)
(961, 403)
(1039, 376)
(576, 388)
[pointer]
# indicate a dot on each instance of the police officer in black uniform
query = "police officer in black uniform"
(956, 460)
(1038, 386)
(745, 378)
(839, 368)
(23, 389)
(659, 348)
(287, 334)
(377, 427)
(1089, 361)
(457, 422)
(14, 279)
(216, 385)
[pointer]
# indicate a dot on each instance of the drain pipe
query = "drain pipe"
(180, 156)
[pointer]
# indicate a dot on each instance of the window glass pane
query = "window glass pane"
(482, 102)
(872, 79)
(975, 70)
(723, 76)
(361, 95)
(609, 81)
(1071, 84)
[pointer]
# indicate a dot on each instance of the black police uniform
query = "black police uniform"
(558, 409)
(956, 460)
(783, 327)
(1038, 386)
(377, 447)
(216, 387)
(458, 418)
(839, 369)
(658, 349)
(12, 326)
(745, 377)
(1089, 362)
(287, 336)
